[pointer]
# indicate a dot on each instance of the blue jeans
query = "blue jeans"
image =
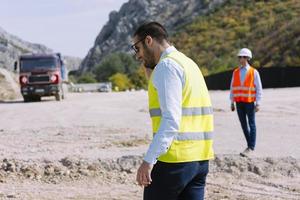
(246, 113)
(177, 181)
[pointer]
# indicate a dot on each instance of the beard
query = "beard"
(149, 61)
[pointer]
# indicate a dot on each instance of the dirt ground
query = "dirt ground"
(90, 145)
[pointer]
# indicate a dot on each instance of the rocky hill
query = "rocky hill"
(11, 47)
(72, 63)
(116, 34)
(269, 28)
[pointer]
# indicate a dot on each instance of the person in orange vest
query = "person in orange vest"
(246, 93)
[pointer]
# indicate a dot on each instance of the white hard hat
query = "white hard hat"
(245, 52)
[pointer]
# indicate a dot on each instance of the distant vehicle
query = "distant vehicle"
(41, 75)
(105, 88)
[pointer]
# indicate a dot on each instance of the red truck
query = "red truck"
(41, 75)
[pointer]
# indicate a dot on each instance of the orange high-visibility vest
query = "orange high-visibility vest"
(244, 92)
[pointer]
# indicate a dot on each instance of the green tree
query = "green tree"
(115, 63)
(87, 78)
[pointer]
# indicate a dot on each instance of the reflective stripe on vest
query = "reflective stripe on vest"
(154, 112)
(193, 136)
(193, 140)
(243, 88)
(244, 95)
(245, 92)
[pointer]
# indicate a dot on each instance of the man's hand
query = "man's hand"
(232, 107)
(256, 108)
(143, 176)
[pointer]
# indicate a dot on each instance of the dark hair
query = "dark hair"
(153, 29)
(250, 62)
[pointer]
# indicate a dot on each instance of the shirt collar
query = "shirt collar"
(247, 66)
(168, 50)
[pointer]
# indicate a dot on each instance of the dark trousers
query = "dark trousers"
(177, 181)
(246, 113)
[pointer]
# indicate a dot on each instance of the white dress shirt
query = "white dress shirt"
(257, 83)
(168, 79)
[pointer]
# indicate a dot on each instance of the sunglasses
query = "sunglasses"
(135, 48)
(242, 57)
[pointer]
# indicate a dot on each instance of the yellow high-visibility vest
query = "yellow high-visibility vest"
(193, 142)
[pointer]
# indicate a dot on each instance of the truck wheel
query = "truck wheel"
(34, 98)
(63, 96)
(37, 98)
(58, 97)
(26, 98)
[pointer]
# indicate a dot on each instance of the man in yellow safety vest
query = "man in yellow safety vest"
(176, 163)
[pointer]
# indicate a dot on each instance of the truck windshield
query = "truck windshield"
(37, 63)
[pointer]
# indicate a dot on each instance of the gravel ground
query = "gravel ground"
(90, 145)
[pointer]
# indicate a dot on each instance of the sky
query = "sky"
(66, 26)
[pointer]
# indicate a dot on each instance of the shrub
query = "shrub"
(121, 81)
(138, 79)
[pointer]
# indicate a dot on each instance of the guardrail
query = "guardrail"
(90, 87)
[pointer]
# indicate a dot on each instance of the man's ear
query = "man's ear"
(149, 41)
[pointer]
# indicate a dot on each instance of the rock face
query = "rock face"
(72, 63)
(11, 47)
(116, 34)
